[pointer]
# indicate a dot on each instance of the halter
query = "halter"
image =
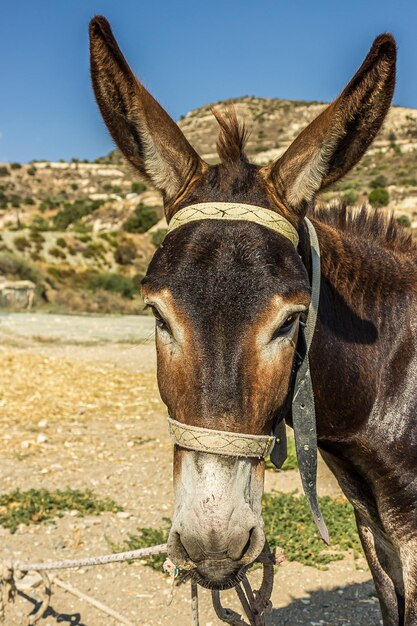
(303, 410)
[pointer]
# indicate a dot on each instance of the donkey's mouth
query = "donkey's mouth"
(218, 574)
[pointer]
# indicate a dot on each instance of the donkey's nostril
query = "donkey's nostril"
(186, 547)
(248, 543)
(176, 550)
(237, 549)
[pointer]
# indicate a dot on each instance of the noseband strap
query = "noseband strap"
(220, 441)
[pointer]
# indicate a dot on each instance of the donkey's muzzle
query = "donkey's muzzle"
(217, 557)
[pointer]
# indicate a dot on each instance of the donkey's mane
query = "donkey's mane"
(370, 224)
(232, 138)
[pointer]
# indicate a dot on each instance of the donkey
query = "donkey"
(229, 296)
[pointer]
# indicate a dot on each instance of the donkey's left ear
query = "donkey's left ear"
(335, 141)
(143, 131)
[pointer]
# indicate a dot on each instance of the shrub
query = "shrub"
(93, 250)
(57, 253)
(146, 536)
(404, 220)
(74, 186)
(21, 243)
(39, 223)
(61, 242)
(115, 283)
(125, 253)
(379, 197)
(158, 236)
(4, 171)
(73, 212)
(55, 272)
(15, 166)
(16, 266)
(36, 236)
(29, 200)
(49, 203)
(350, 197)
(392, 138)
(84, 238)
(32, 170)
(111, 238)
(138, 187)
(142, 219)
(81, 228)
(88, 253)
(412, 182)
(379, 181)
(288, 522)
(39, 505)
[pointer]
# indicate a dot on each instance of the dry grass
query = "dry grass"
(69, 395)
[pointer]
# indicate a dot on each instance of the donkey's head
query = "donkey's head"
(228, 295)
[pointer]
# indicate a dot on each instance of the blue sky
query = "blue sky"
(187, 53)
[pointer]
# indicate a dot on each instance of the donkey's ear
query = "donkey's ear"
(140, 127)
(335, 141)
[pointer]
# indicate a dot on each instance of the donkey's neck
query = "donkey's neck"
(366, 294)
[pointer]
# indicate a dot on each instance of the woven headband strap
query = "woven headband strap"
(220, 441)
(231, 211)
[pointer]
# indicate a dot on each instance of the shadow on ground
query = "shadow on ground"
(73, 619)
(353, 605)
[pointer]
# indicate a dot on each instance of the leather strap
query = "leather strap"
(303, 407)
(305, 435)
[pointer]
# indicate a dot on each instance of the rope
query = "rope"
(254, 603)
(105, 559)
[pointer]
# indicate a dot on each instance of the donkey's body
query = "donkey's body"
(228, 298)
(364, 365)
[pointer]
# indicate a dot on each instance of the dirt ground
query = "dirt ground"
(79, 408)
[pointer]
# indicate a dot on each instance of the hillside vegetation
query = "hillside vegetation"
(85, 232)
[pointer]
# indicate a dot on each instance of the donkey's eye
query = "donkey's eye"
(159, 320)
(286, 326)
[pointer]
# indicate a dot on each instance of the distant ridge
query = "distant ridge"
(274, 123)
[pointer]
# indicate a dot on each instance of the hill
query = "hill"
(85, 232)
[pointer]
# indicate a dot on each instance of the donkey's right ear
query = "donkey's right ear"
(335, 141)
(140, 127)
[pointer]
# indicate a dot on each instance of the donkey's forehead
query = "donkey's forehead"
(240, 182)
(223, 265)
